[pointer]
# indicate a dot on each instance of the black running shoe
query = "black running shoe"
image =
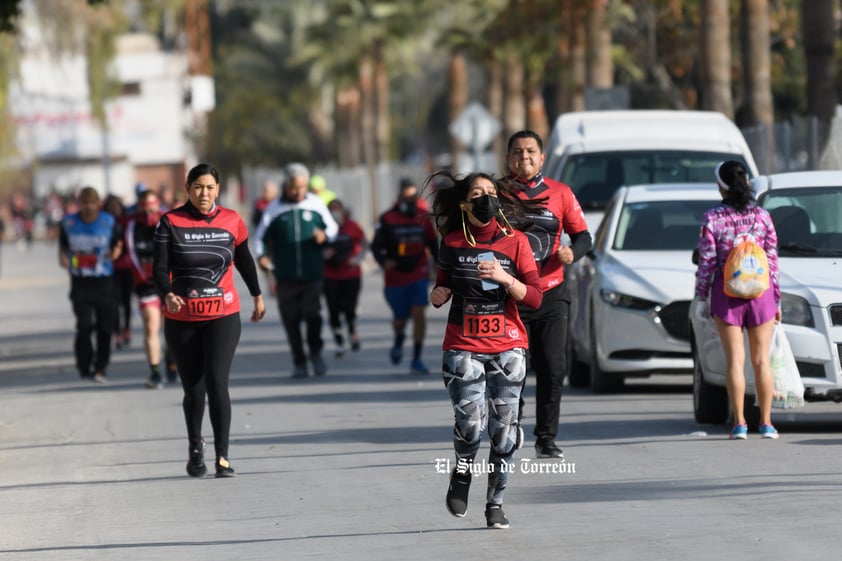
(457, 492)
(196, 463)
(546, 448)
(495, 517)
(224, 469)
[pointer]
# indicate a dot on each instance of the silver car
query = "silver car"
(806, 208)
(631, 294)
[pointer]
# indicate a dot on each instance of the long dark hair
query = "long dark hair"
(200, 170)
(451, 190)
(732, 178)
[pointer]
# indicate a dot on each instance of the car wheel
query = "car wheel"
(710, 403)
(602, 382)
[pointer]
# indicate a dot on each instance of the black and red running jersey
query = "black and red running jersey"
(483, 317)
(404, 239)
(562, 213)
(139, 244)
(193, 257)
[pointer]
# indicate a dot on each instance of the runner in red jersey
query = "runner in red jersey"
(487, 268)
(547, 326)
(403, 243)
(139, 240)
(343, 276)
(195, 246)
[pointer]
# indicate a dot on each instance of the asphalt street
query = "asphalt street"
(352, 466)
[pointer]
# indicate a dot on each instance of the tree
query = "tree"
(263, 94)
(758, 107)
(457, 95)
(716, 57)
(600, 66)
(818, 34)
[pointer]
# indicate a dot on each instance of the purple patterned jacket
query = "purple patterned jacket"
(720, 226)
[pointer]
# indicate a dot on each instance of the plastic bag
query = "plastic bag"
(788, 390)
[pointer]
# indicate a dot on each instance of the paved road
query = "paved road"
(344, 467)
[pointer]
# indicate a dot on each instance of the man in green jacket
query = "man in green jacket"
(289, 242)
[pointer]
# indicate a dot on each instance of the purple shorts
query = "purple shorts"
(741, 312)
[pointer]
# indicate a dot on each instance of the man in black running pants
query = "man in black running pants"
(547, 326)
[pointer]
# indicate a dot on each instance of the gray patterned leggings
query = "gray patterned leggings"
(485, 390)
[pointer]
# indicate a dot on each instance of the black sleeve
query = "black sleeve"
(161, 258)
(580, 243)
(245, 265)
(378, 247)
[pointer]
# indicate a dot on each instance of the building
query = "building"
(150, 124)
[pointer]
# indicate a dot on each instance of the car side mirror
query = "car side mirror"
(695, 257)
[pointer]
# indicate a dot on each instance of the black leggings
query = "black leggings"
(546, 329)
(203, 352)
(342, 297)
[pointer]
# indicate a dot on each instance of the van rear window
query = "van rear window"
(596, 176)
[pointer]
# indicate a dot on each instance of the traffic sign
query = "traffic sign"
(475, 127)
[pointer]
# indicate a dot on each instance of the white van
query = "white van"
(595, 152)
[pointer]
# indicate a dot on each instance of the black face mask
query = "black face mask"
(485, 208)
(408, 208)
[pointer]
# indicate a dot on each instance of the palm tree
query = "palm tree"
(600, 66)
(716, 57)
(457, 95)
(818, 33)
(758, 107)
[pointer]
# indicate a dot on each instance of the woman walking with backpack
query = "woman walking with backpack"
(728, 226)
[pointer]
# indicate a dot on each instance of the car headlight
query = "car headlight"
(625, 301)
(795, 310)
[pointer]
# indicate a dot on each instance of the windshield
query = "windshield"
(660, 225)
(596, 176)
(806, 220)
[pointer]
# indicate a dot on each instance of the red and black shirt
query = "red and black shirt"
(562, 213)
(193, 257)
(405, 239)
(348, 247)
(139, 243)
(483, 317)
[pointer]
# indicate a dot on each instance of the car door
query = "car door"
(586, 277)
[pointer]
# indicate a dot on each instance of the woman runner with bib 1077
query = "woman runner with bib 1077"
(486, 267)
(195, 246)
(736, 220)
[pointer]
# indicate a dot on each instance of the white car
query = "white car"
(631, 294)
(595, 152)
(806, 208)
